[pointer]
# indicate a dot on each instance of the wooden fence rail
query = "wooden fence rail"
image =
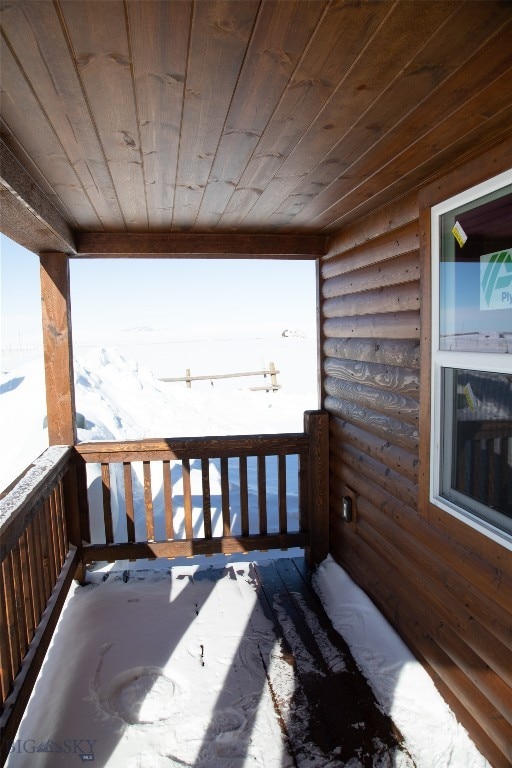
(271, 371)
(37, 566)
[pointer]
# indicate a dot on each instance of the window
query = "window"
(471, 446)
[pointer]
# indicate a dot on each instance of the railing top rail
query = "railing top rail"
(17, 507)
(193, 447)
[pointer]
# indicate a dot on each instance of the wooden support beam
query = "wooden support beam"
(190, 245)
(316, 426)
(28, 216)
(58, 350)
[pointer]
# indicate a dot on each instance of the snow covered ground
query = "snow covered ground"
(128, 700)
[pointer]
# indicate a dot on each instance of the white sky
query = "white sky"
(128, 293)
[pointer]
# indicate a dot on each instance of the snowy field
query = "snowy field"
(129, 703)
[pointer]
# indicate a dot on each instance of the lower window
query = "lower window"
(476, 443)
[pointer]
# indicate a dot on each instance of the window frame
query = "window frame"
(443, 359)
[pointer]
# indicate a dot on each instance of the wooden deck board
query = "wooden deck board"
(343, 718)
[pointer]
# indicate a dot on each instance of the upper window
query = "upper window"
(471, 443)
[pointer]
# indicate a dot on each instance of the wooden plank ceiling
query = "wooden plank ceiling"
(245, 116)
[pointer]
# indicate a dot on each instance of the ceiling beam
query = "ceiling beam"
(28, 216)
(189, 245)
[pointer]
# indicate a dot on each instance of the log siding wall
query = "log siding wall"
(441, 584)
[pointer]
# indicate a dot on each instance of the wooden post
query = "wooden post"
(188, 379)
(273, 376)
(316, 426)
(58, 351)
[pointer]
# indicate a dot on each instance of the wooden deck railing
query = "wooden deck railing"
(145, 499)
(37, 566)
(157, 500)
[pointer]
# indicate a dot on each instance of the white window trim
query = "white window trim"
(478, 361)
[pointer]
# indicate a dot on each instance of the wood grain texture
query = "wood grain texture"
(219, 35)
(28, 212)
(155, 449)
(58, 349)
(381, 425)
(240, 117)
(389, 245)
(201, 246)
(400, 352)
(395, 271)
(158, 35)
(169, 549)
(386, 377)
(401, 460)
(383, 401)
(400, 298)
(35, 32)
(103, 59)
(443, 585)
(395, 325)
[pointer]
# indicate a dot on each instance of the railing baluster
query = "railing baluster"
(35, 572)
(27, 586)
(19, 601)
(107, 504)
(5, 649)
(128, 501)
(167, 481)
(53, 533)
(281, 494)
(61, 523)
(11, 623)
(148, 501)
(45, 559)
(244, 495)
(262, 494)
(207, 506)
(187, 498)
(224, 485)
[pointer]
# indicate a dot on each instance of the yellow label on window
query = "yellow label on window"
(459, 234)
(470, 396)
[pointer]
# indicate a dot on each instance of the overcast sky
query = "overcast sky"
(127, 293)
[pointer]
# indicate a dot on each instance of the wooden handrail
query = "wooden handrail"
(38, 563)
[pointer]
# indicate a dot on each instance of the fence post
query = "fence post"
(188, 380)
(316, 426)
(273, 376)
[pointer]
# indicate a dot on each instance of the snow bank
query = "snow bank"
(120, 399)
(402, 687)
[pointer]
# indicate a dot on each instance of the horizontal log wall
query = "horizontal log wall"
(445, 588)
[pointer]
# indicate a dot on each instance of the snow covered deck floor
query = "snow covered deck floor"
(212, 667)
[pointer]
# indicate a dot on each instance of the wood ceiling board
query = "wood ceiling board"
(98, 36)
(159, 34)
(190, 245)
(383, 86)
(22, 113)
(282, 32)
(344, 33)
(136, 115)
(35, 33)
(436, 124)
(219, 36)
(484, 118)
